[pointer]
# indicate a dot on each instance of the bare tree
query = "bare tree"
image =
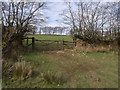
(88, 19)
(16, 17)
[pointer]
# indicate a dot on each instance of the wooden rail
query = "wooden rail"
(46, 42)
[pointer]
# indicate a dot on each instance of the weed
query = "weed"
(53, 78)
(22, 70)
(7, 69)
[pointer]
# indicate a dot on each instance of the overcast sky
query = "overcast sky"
(53, 11)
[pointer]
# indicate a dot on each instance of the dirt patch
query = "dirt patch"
(77, 67)
(60, 52)
(67, 57)
(54, 52)
(49, 52)
(82, 68)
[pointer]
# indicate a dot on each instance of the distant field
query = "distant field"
(52, 45)
(52, 37)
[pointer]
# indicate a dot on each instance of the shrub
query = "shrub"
(19, 70)
(22, 70)
(54, 78)
(7, 69)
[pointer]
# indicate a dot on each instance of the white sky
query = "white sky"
(55, 8)
(53, 13)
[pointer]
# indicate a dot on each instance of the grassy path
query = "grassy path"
(81, 70)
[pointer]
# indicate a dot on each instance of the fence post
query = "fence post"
(27, 42)
(63, 44)
(74, 41)
(33, 43)
(58, 44)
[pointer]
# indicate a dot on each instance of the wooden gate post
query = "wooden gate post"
(63, 44)
(27, 42)
(74, 41)
(33, 43)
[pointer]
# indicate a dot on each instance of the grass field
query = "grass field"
(48, 45)
(78, 69)
(52, 37)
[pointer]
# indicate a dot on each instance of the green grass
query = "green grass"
(80, 69)
(52, 37)
(50, 45)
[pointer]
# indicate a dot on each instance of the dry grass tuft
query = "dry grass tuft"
(53, 78)
(22, 70)
(85, 47)
(7, 69)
